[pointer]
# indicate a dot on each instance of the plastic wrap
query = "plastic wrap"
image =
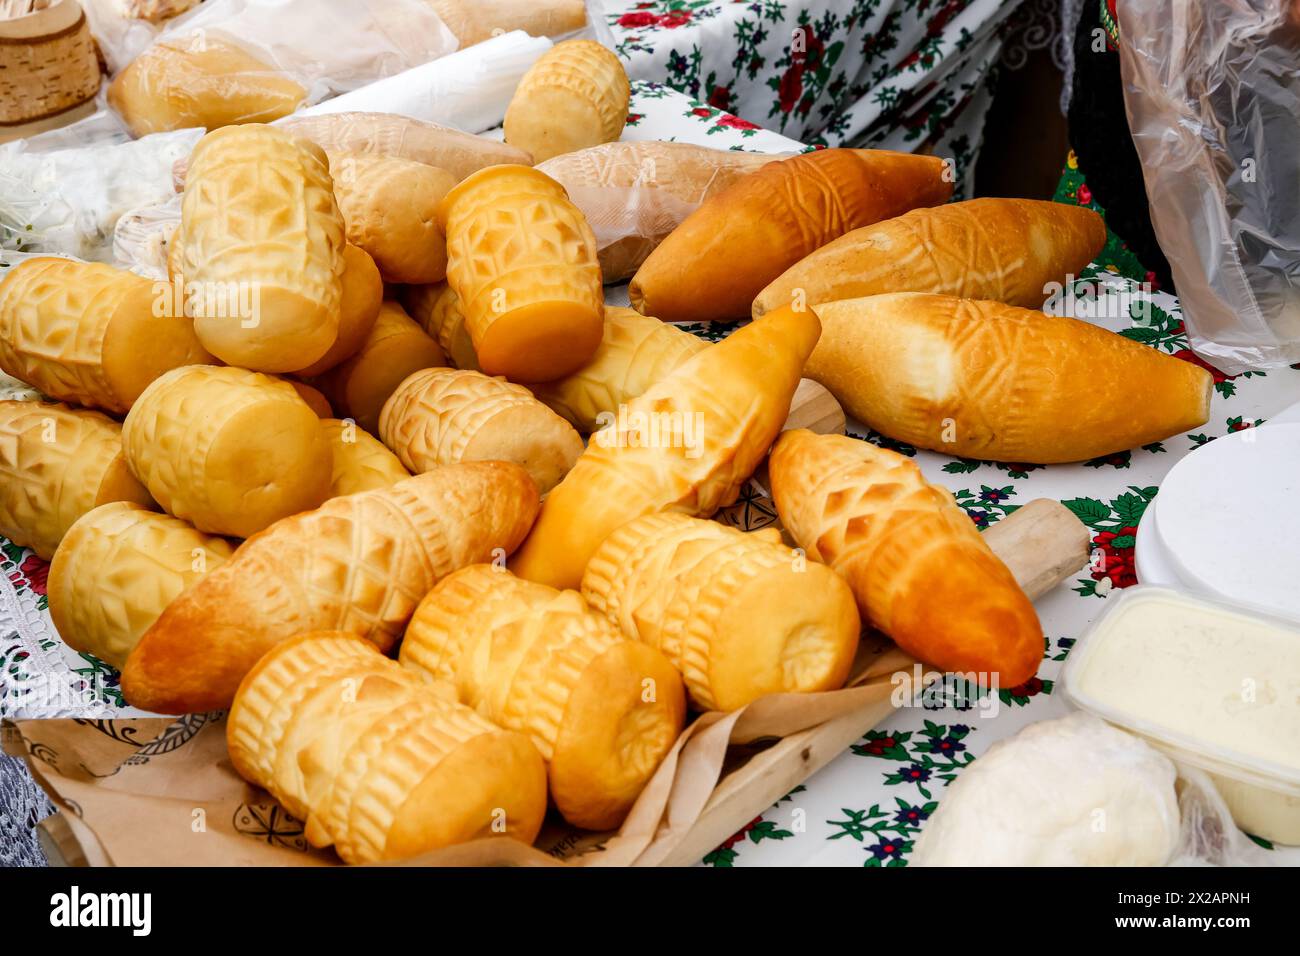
(234, 61)
(1207, 836)
(468, 90)
(68, 201)
(1213, 98)
(1077, 791)
(123, 28)
(473, 21)
(143, 235)
(634, 194)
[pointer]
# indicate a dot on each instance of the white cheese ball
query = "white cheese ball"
(1068, 792)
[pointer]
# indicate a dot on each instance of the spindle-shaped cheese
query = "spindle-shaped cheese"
(437, 310)
(358, 563)
(395, 347)
(688, 444)
(200, 81)
(362, 295)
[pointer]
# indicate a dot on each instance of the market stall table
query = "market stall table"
(868, 805)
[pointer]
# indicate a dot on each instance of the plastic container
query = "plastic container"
(1199, 698)
(1225, 523)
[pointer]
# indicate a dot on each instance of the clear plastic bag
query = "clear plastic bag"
(143, 237)
(1207, 836)
(1213, 98)
(474, 21)
(233, 61)
(68, 201)
(298, 37)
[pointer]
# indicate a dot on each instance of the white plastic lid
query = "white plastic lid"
(1227, 521)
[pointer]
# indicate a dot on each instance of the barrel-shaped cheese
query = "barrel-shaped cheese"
(603, 711)
(522, 261)
(377, 761)
(440, 416)
(395, 347)
(116, 570)
(226, 449)
(363, 292)
(87, 333)
(635, 352)
(575, 96)
(740, 615)
(361, 462)
(56, 464)
(262, 248)
(390, 209)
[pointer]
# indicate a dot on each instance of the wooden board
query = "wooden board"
(1042, 543)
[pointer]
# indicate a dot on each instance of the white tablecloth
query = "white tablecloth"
(897, 74)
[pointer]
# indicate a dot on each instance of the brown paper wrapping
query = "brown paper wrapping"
(162, 791)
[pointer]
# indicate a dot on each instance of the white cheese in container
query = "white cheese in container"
(1214, 685)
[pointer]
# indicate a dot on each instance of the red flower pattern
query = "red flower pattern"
(735, 122)
(740, 834)
(1030, 688)
(643, 17)
(638, 19)
(36, 571)
(790, 88)
(935, 25)
(1117, 562)
(809, 57)
(1187, 355)
(877, 746)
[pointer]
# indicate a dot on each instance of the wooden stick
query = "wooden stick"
(815, 409)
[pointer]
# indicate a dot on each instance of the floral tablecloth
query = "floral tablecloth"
(867, 806)
(894, 74)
